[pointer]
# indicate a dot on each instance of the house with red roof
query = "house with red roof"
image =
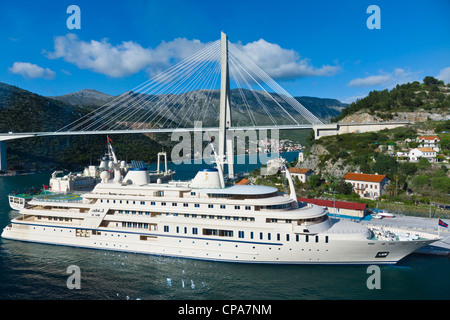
(429, 142)
(370, 186)
(417, 153)
(302, 174)
(340, 208)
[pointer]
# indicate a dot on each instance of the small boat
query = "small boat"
(385, 214)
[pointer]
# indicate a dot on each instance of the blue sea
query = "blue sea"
(31, 271)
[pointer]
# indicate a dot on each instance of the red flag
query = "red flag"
(109, 139)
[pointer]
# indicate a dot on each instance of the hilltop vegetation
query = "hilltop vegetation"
(430, 95)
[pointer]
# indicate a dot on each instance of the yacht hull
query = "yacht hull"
(316, 250)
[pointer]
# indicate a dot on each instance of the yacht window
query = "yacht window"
(247, 208)
(185, 204)
(237, 207)
(222, 206)
(152, 203)
(210, 206)
(241, 234)
(174, 204)
(163, 203)
(197, 205)
(194, 230)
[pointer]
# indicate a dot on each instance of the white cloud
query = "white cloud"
(282, 63)
(124, 59)
(370, 81)
(130, 57)
(444, 75)
(398, 76)
(29, 70)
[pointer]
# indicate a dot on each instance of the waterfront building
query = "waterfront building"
(368, 186)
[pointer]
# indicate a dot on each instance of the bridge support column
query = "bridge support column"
(2, 155)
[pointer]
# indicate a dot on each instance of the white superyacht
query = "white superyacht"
(205, 219)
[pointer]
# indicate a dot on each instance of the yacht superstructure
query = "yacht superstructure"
(74, 183)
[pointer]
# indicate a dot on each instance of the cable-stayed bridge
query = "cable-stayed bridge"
(219, 87)
(186, 94)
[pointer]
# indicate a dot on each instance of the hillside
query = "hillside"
(24, 111)
(331, 157)
(85, 97)
(199, 100)
(429, 100)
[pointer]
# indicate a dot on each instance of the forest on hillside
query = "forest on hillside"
(431, 94)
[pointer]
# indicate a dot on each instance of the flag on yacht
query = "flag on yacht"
(443, 224)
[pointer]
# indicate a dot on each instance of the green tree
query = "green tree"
(344, 187)
(423, 163)
(385, 164)
(408, 168)
(430, 81)
(441, 183)
(314, 181)
(421, 180)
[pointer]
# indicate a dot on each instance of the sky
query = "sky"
(311, 48)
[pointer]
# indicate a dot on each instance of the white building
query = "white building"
(367, 185)
(429, 142)
(417, 153)
(301, 173)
